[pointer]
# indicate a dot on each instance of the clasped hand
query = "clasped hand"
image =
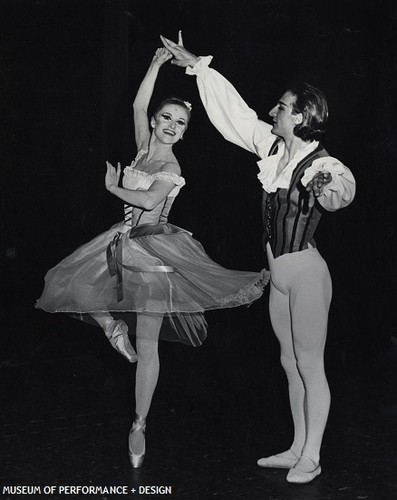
(182, 57)
(112, 176)
(161, 56)
(316, 185)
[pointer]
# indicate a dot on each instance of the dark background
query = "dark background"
(69, 71)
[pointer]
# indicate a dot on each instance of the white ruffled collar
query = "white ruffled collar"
(268, 168)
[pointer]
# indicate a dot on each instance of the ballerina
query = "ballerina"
(145, 265)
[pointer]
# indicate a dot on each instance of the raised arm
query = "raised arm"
(226, 109)
(143, 96)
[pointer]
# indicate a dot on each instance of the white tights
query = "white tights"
(300, 297)
(148, 366)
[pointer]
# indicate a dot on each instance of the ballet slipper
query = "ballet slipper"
(279, 461)
(297, 476)
(117, 333)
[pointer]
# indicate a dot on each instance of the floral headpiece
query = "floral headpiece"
(188, 105)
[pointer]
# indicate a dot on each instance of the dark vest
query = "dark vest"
(290, 216)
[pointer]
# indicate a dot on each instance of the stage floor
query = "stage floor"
(68, 406)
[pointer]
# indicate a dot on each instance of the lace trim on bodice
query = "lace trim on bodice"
(163, 176)
(140, 180)
(130, 171)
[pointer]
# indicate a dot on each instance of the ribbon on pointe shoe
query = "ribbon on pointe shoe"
(139, 425)
(117, 333)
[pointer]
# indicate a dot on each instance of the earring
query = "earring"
(181, 138)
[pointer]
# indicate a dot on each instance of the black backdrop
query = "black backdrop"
(69, 72)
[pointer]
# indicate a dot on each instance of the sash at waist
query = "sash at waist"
(115, 256)
(150, 229)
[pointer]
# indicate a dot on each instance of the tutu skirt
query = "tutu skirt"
(154, 269)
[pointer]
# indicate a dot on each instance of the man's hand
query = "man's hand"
(316, 185)
(182, 57)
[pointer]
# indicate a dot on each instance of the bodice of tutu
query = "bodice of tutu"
(139, 180)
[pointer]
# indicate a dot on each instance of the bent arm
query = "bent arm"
(226, 109)
(148, 199)
(229, 113)
(340, 191)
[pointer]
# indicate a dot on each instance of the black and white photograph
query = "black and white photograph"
(198, 264)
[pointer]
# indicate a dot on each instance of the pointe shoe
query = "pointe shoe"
(297, 476)
(136, 459)
(117, 333)
(278, 461)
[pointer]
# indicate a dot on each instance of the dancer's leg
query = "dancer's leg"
(102, 318)
(280, 316)
(310, 298)
(309, 301)
(116, 332)
(281, 321)
(148, 368)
